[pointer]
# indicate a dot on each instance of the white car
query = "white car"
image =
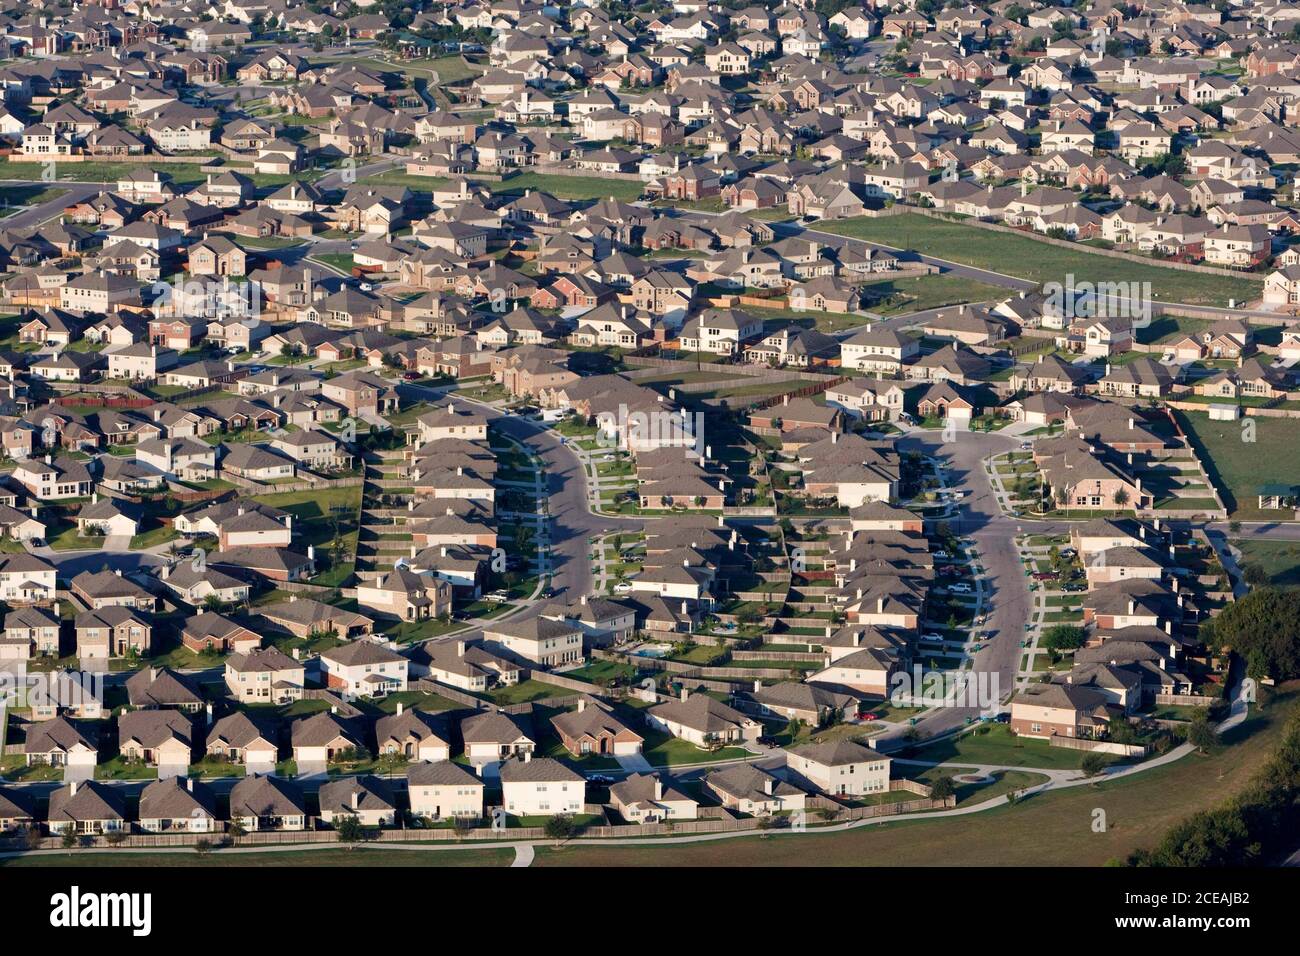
(932, 637)
(622, 587)
(960, 588)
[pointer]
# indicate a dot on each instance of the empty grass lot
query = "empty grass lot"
(1279, 559)
(1028, 258)
(1053, 828)
(571, 187)
(930, 292)
(100, 172)
(1238, 467)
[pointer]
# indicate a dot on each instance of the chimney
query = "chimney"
(582, 600)
(1132, 606)
(296, 654)
(356, 799)
(880, 605)
(208, 711)
(685, 693)
(400, 707)
(334, 709)
(73, 788)
(189, 784)
(528, 756)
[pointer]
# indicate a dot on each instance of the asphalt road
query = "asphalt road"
(1006, 593)
(572, 524)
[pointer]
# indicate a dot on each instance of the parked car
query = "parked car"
(410, 376)
(1044, 575)
(960, 587)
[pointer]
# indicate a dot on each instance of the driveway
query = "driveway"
(168, 770)
(634, 763)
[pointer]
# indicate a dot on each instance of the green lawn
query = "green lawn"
(100, 172)
(119, 769)
(340, 262)
(153, 537)
(572, 187)
(928, 292)
(1238, 466)
(1279, 559)
(1029, 259)
(1000, 747)
(527, 690)
(664, 750)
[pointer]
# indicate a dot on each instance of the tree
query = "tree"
(349, 829)
(1092, 764)
(1062, 637)
(30, 837)
(1264, 629)
(560, 827)
(942, 788)
(1255, 575)
(203, 847)
(69, 839)
(1120, 497)
(1201, 733)
(236, 830)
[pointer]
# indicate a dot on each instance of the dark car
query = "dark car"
(411, 376)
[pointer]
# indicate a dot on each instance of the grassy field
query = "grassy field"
(1027, 258)
(999, 747)
(1279, 559)
(1236, 466)
(930, 292)
(1051, 828)
(99, 172)
(572, 187)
